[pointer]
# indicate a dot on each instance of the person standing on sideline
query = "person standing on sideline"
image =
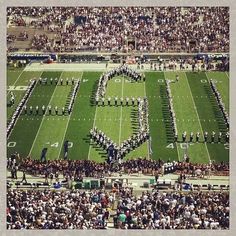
(109, 101)
(121, 101)
(205, 136)
(43, 109)
(176, 137)
(50, 109)
(133, 100)
(56, 110)
(184, 136)
(197, 137)
(177, 78)
(31, 110)
(24, 178)
(37, 110)
(191, 137)
(213, 137)
(25, 108)
(219, 137)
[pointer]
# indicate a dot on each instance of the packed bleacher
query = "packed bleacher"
(35, 209)
(154, 29)
(57, 210)
(118, 29)
(174, 210)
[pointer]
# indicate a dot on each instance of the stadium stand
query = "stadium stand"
(94, 209)
(149, 29)
(84, 194)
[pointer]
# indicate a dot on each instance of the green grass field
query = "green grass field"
(194, 105)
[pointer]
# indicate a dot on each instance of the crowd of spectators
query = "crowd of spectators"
(57, 210)
(37, 209)
(11, 38)
(154, 29)
(40, 42)
(77, 169)
(174, 210)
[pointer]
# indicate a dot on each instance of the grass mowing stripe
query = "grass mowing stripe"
(16, 80)
(176, 124)
(53, 127)
(44, 117)
(27, 125)
(12, 76)
(159, 130)
(103, 115)
(95, 116)
(208, 109)
(122, 94)
(213, 95)
(24, 81)
(67, 126)
(82, 117)
(221, 81)
(17, 102)
(219, 149)
(108, 117)
(195, 108)
(130, 115)
(186, 118)
(148, 144)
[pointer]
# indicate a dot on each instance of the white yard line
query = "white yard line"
(176, 130)
(194, 105)
(227, 74)
(16, 80)
(81, 76)
(43, 118)
(121, 110)
(22, 109)
(148, 144)
(90, 146)
(95, 116)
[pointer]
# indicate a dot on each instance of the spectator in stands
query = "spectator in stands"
(37, 209)
(173, 210)
(154, 29)
(57, 210)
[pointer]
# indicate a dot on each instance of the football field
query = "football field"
(194, 104)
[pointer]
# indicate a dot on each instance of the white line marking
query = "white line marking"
(95, 116)
(145, 94)
(227, 74)
(176, 131)
(17, 79)
(121, 110)
(43, 119)
(194, 105)
(68, 119)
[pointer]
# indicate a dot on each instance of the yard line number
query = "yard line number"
(182, 145)
(12, 88)
(56, 144)
(11, 144)
(117, 80)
